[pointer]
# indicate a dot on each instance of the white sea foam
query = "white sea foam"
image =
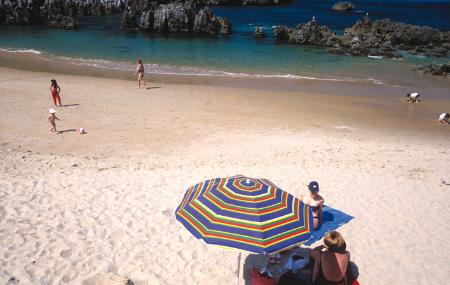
(343, 127)
(158, 69)
(33, 51)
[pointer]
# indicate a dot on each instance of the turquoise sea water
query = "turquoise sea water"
(100, 41)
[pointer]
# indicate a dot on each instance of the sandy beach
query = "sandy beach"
(75, 208)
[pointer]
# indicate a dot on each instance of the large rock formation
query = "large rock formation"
(163, 16)
(181, 17)
(435, 69)
(383, 37)
(343, 6)
(310, 33)
(55, 13)
(380, 38)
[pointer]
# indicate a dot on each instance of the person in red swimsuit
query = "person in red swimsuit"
(54, 90)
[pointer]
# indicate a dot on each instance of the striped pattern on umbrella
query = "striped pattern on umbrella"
(245, 213)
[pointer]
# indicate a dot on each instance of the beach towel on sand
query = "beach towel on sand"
(332, 220)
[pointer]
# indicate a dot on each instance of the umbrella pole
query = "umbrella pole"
(239, 268)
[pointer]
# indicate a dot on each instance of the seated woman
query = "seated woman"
(313, 199)
(330, 261)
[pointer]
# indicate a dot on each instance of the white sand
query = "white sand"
(76, 207)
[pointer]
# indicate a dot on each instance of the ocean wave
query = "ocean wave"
(33, 51)
(158, 69)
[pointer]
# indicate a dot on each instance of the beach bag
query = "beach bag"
(350, 277)
(257, 279)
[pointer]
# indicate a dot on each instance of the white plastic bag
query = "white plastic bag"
(296, 262)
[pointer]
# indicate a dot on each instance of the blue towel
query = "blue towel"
(331, 220)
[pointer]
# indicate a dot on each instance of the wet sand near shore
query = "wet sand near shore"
(298, 104)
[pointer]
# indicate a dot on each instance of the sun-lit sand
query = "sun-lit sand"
(93, 208)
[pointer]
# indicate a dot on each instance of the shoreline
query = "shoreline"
(36, 61)
(350, 105)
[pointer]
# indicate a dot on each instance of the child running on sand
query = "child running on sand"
(54, 90)
(52, 118)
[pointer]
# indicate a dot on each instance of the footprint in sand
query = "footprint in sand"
(66, 253)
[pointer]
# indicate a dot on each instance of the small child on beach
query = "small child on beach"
(413, 97)
(52, 118)
(444, 118)
(55, 90)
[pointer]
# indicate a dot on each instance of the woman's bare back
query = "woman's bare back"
(334, 265)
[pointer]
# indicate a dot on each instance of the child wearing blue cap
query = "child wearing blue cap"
(315, 201)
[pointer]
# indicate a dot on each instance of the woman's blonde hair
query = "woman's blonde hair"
(335, 242)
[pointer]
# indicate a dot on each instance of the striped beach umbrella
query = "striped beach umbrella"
(245, 213)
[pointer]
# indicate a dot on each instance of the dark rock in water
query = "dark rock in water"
(242, 2)
(307, 33)
(314, 34)
(435, 69)
(336, 50)
(129, 21)
(172, 17)
(281, 33)
(259, 2)
(62, 22)
(206, 22)
(259, 32)
(385, 37)
(146, 20)
(437, 51)
(179, 17)
(226, 25)
(343, 6)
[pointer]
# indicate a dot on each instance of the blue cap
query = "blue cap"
(313, 186)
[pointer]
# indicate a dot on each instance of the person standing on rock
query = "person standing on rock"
(140, 73)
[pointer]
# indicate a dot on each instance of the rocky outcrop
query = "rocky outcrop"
(384, 37)
(343, 6)
(173, 17)
(259, 32)
(226, 25)
(243, 2)
(129, 20)
(435, 69)
(62, 22)
(378, 38)
(54, 13)
(310, 33)
(181, 17)
(259, 2)
(281, 33)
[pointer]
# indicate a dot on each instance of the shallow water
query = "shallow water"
(102, 43)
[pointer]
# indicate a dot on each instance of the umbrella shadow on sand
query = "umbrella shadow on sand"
(260, 261)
